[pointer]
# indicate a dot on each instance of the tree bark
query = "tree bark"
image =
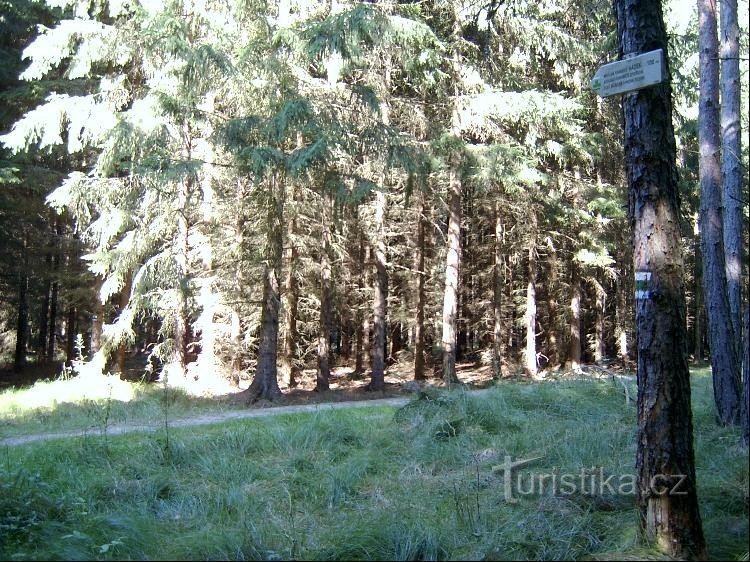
(70, 333)
(289, 369)
(124, 300)
(497, 297)
(377, 378)
(52, 326)
(574, 344)
(419, 264)
(731, 163)
(665, 429)
(452, 264)
(725, 364)
(44, 310)
(530, 366)
(599, 343)
(22, 322)
(326, 296)
(97, 318)
(699, 310)
(265, 384)
(361, 318)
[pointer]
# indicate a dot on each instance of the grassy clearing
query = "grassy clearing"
(373, 483)
(94, 404)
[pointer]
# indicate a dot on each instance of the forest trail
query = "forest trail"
(208, 419)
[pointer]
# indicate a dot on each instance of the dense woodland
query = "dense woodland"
(237, 191)
(247, 188)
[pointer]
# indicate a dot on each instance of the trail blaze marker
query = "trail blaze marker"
(641, 284)
(629, 74)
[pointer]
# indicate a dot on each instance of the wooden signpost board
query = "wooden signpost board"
(629, 74)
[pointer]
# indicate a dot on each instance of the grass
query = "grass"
(70, 405)
(373, 483)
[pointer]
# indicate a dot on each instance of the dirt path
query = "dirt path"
(207, 419)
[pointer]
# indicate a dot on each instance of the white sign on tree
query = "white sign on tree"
(629, 74)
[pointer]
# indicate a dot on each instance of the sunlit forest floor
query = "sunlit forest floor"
(422, 481)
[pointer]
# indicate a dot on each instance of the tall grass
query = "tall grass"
(416, 483)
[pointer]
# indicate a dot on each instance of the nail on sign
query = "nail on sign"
(629, 74)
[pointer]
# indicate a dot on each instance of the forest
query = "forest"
(249, 197)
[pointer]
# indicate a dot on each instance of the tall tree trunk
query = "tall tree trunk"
(377, 378)
(265, 384)
(52, 326)
(530, 319)
(122, 349)
(289, 369)
(419, 266)
(574, 342)
(366, 320)
(326, 296)
(179, 355)
(361, 318)
(699, 308)
(380, 300)
(97, 318)
(599, 343)
(731, 162)
(22, 322)
(452, 264)
(725, 364)
(70, 333)
(497, 296)
(552, 282)
(665, 429)
(44, 311)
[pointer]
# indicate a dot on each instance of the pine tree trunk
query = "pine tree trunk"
(122, 349)
(452, 264)
(235, 336)
(265, 384)
(181, 320)
(574, 345)
(419, 264)
(97, 318)
(552, 282)
(70, 333)
(44, 311)
(699, 309)
(530, 318)
(725, 364)
(289, 369)
(326, 296)
(731, 164)
(377, 379)
(665, 429)
(599, 343)
(361, 318)
(22, 322)
(497, 297)
(366, 320)
(380, 300)
(52, 326)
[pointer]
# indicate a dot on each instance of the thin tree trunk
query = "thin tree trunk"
(326, 295)
(731, 162)
(235, 336)
(44, 311)
(665, 430)
(419, 266)
(552, 282)
(380, 300)
(181, 321)
(497, 297)
(377, 379)
(599, 344)
(289, 369)
(366, 279)
(530, 319)
(97, 318)
(70, 332)
(574, 345)
(699, 309)
(361, 319)
(52, 326)
(265, 384)
(122, 349)
(22, 322)
(725, 363)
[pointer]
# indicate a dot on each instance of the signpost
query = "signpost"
(629, 74)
